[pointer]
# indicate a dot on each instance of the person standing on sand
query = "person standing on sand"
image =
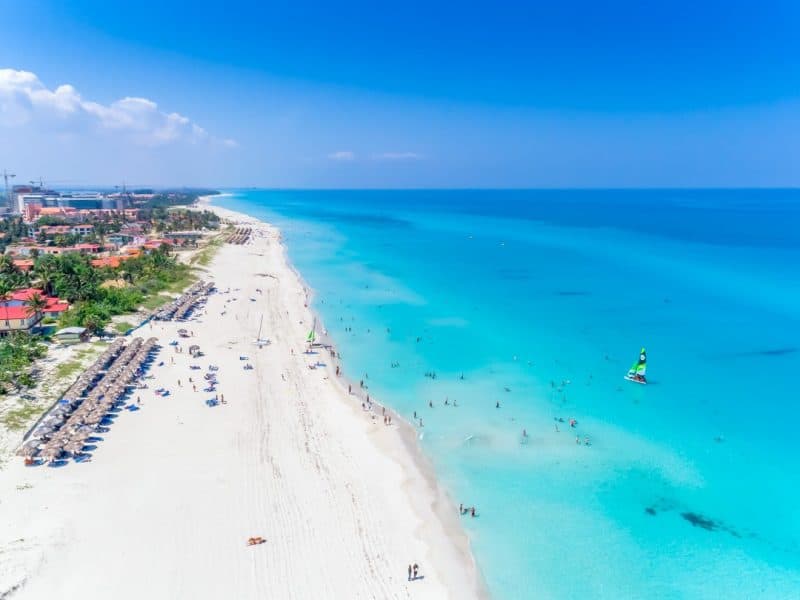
(416, 570)
(409, 572)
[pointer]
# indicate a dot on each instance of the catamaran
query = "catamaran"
(261, 342)
(312, 335)
(637, 372)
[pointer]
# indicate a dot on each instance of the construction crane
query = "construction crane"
(6, 176)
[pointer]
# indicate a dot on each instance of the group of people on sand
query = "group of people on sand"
(413, 572)
(464, 510)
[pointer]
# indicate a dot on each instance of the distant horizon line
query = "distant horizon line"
(97, 186)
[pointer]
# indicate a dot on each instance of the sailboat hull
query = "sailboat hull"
(635, 380)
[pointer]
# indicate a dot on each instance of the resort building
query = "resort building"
(17, 318)
(16, 314)
(71, 335)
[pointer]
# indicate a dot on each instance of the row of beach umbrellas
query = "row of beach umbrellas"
(240, 236)
(90, 375)
(183, 304)
(67, 426)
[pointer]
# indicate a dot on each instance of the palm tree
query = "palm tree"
(5, 291)
(45, 270)
(7, 266)
(35, 305)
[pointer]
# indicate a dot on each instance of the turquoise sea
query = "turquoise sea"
(540, 300)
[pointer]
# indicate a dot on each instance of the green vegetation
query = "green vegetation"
(73, 278)
(165, 220)
(67, 369)
(156, 301)
(183, 197)
(17, 353)
(17, 418)
(146, 276)
(206, 255)
(123, 327)
(11, 229)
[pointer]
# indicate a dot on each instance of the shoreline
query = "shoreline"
(417, 464)
(173, 487)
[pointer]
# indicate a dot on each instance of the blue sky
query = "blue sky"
(412, 94)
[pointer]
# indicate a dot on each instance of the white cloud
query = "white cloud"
(26, 101)
(342, 155)
(398, 156)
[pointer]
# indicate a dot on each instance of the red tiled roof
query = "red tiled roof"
(26, 294)
(14, 312)
(57, 306)
(110, 261)
(54, 305)
(23, 264)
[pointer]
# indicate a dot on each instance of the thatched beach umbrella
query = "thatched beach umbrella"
(29, 448)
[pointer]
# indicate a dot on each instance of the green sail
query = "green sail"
(311, 336)
(640, 366)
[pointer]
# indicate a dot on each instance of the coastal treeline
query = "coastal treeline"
(96, 293)
(166, 198)
(163, 220)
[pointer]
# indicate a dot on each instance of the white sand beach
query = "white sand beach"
(172, 493)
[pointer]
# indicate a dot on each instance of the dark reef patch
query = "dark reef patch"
(700, 521)
(571, 293)
(777, 352)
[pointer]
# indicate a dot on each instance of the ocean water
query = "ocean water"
(540, 300)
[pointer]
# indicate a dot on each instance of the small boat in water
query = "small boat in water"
(637, 372)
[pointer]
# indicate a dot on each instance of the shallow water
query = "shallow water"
(540, 301)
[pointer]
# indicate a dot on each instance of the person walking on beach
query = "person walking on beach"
(409, 572)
